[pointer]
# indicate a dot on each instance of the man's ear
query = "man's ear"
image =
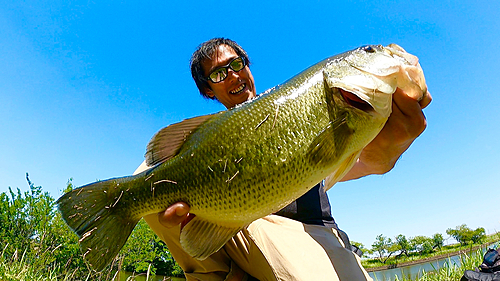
(209, 93)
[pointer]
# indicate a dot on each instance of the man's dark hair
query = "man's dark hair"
(206, 51)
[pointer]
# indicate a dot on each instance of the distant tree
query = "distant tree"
(464, 235)
(461, 233)
(422, 244)
(438, 241)
(478, 235)
(402, 245)
(381, 246)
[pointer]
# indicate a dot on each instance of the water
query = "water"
(413, 271)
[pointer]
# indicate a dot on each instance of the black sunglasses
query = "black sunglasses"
(220, 73)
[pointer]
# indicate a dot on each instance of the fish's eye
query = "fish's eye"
(368, 49)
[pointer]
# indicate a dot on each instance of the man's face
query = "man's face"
(238, 86)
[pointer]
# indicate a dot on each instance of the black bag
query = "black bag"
(491, 261)
(489, 270)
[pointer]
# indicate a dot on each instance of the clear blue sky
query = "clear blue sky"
(85, 84)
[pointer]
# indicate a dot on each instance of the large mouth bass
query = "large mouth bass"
(238, 165)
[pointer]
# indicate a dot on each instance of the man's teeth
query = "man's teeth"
(239, 89)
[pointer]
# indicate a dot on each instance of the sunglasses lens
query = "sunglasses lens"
(218, 75)
(237, 64)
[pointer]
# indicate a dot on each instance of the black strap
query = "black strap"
(356, 250)
(348, 244)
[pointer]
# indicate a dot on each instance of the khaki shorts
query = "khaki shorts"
(271, 248)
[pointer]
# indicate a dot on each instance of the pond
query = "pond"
(412, 271)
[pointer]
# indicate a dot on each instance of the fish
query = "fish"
(241, 164)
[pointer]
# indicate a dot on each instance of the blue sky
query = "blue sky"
(85, 84)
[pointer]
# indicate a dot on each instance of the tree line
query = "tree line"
(385, 247)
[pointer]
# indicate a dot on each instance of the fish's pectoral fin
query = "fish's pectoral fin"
(92, 212)
(201, 238)
(166, 143)
(330, 143)
(342, 170)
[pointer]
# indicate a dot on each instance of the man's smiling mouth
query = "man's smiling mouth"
(238, 90)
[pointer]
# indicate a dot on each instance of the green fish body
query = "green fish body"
(239, 165)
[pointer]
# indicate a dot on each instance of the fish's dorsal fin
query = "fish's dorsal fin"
(201, 238)
(166, 143)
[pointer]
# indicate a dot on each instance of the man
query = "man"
(302, 241)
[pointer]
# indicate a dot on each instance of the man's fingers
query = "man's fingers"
(408, 105)
(403, 99)
(426, 100)
(174, 215)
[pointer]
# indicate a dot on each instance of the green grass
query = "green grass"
(452, 271)
(17, 269)
(21, 267)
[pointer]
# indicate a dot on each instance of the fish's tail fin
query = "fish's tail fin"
(90, 212)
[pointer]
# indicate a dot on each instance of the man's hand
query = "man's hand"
(405, 124)
(177, 213)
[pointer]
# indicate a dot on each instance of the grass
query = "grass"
(20, 267)
(17, 269)
(451, 271)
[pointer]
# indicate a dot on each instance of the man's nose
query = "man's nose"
(231, 74)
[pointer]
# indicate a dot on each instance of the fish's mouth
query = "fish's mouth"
(239, 89)
(355, 101)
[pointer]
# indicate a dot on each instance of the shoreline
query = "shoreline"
(429, 259)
